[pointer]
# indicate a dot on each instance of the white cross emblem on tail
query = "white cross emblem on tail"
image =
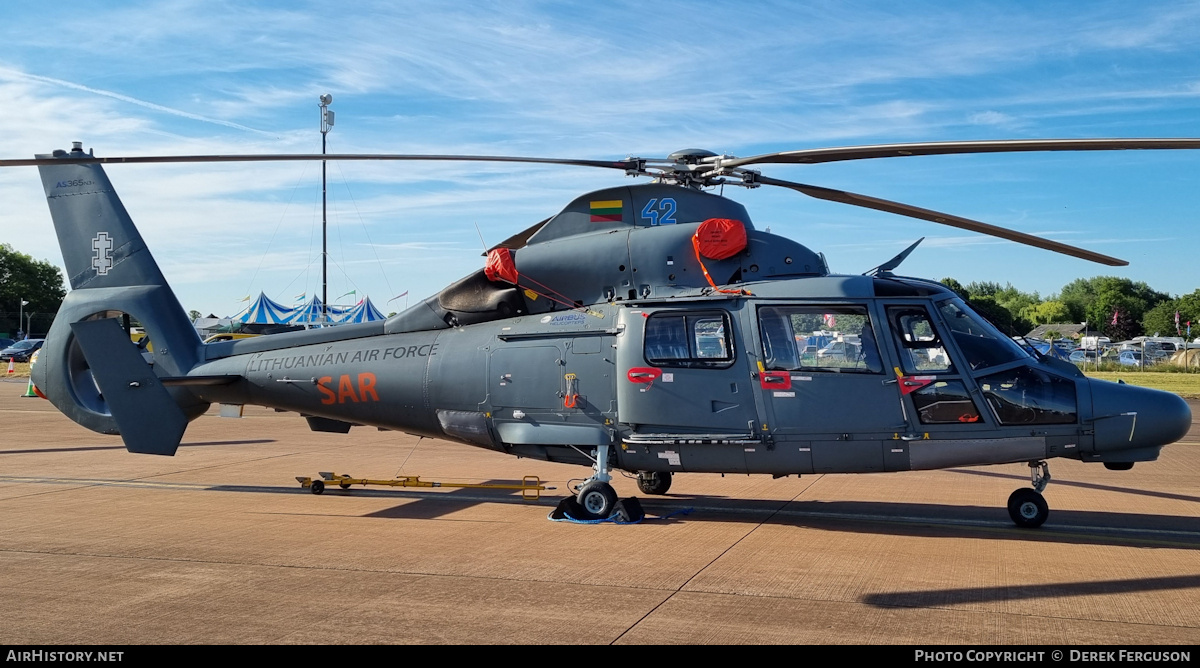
(102, 261)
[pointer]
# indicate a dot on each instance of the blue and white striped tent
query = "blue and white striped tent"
(264, 311)
(309, 313)
(364, 311)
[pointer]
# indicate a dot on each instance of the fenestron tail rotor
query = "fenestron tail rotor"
(698, 168)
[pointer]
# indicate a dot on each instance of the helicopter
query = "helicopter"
(646, 328)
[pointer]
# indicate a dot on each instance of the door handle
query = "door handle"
(643, 374)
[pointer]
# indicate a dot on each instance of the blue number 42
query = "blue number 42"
(660, 212)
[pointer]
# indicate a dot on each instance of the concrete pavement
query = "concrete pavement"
(219, 544)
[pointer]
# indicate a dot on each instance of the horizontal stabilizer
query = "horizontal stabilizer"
(148, 418)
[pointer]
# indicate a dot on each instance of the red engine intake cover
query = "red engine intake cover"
(500, 266)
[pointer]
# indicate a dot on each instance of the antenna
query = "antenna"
(485, 246)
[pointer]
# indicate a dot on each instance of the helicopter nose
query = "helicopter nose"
(1130, 418)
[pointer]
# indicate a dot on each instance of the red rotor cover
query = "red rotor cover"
(720, 238)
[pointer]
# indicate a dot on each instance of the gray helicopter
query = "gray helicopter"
(648, 328)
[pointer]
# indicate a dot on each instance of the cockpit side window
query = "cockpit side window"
(945, 402)
(836, 338)
(920, 346)
(981, 344)
(1025, 395)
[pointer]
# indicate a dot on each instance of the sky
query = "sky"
(602, 81)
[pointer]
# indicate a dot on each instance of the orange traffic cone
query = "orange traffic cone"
(12, 368)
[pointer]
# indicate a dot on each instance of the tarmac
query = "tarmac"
(220, 545)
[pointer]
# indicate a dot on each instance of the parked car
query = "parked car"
(1156, 352)
(1130, 358)
(4, 343)
(840, 351)
(1080, 356)
(21, 350)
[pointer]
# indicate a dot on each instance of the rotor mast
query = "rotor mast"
(326, 126)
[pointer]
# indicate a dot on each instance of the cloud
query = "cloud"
(10, 74)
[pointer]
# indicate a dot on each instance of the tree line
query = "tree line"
(1138, 308)
(1118, 308)
(23, 279)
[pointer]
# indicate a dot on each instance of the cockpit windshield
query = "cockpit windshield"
(981, 343)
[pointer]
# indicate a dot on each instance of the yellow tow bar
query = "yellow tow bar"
(531, 486)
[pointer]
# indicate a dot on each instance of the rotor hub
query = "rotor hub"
(693, 168)
(691, 156)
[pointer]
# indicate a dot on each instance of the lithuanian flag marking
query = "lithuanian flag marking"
(607, 211)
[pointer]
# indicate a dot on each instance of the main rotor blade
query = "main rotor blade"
(817, 155)
(944, 218)
(285, 157)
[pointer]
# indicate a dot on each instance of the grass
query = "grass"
(1162, 367)
(19, 370)
(1186, 385)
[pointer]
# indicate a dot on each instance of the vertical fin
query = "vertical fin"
(86, 368)
(101, 247)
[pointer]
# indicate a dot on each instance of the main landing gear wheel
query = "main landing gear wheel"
(1028, 508)
(654, 482)
(598, 499)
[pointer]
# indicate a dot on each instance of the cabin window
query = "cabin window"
(945, 402)
(921, 348)
(818, 338)
(690, 340)
(1025, 395)
(981, 343)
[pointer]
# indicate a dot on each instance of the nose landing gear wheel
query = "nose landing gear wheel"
(598, 499)
(654, 482)
(1027, 508)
